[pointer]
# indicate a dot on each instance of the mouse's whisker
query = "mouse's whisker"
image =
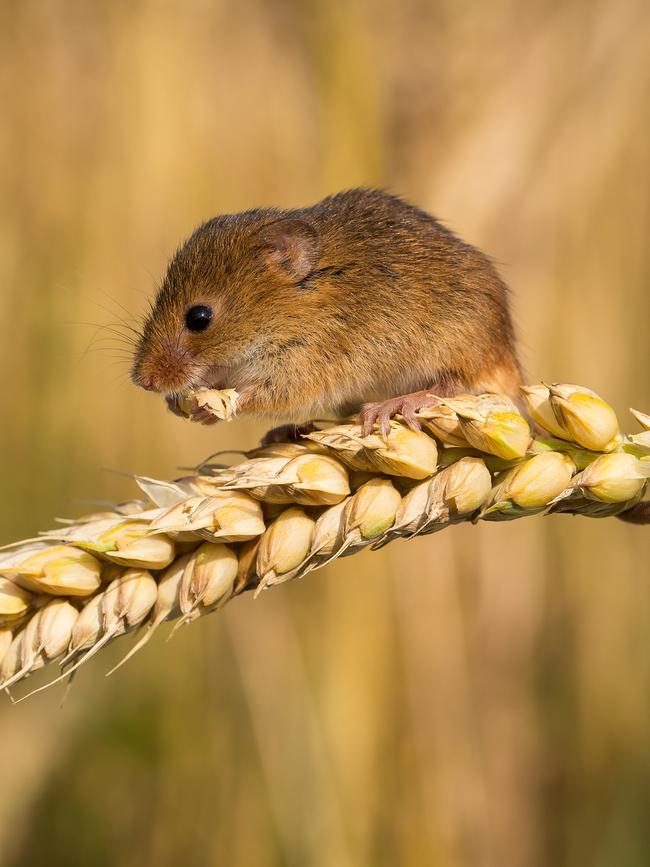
(119, 322)
(126, 326)
(111, 341)
(117, 303)
(107, 352)
(115, 342)
(119, 310)
(110, 328)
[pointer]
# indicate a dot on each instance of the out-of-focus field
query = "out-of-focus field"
(478, 698)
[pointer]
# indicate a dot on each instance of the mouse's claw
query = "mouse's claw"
(199, 414)
(203, 416)
(379, 415)
(174, 405)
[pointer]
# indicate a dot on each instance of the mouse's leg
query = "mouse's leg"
(287, 433)
(406, 405)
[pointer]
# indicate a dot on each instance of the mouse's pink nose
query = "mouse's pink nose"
(162, 372)
(147, 382)
(144, 379)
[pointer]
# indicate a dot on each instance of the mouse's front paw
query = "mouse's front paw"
(204, 405)
(201, 415)
(183, 407)
(174, 404)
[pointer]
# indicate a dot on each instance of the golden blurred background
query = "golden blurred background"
(476, 698)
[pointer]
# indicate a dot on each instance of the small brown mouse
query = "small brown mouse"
(359, 303)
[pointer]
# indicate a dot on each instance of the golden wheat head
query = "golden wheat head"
(187, 547)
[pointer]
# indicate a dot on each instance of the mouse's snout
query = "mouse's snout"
(163, 369)
(145, 381)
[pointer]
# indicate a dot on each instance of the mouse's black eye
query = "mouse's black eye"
(198, 318)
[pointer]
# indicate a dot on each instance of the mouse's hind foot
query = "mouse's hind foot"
(378, 415)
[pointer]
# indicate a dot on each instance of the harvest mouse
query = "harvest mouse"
(359, 303)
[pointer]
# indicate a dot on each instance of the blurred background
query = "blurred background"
(476, 698)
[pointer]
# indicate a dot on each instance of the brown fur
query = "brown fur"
(361, 297)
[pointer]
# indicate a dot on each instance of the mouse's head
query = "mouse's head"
(229, 298)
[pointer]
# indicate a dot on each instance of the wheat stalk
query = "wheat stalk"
(191, 545)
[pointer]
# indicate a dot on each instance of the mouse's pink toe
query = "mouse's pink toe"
(379, 415)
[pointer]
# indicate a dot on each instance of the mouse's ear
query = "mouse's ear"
(292, 245)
